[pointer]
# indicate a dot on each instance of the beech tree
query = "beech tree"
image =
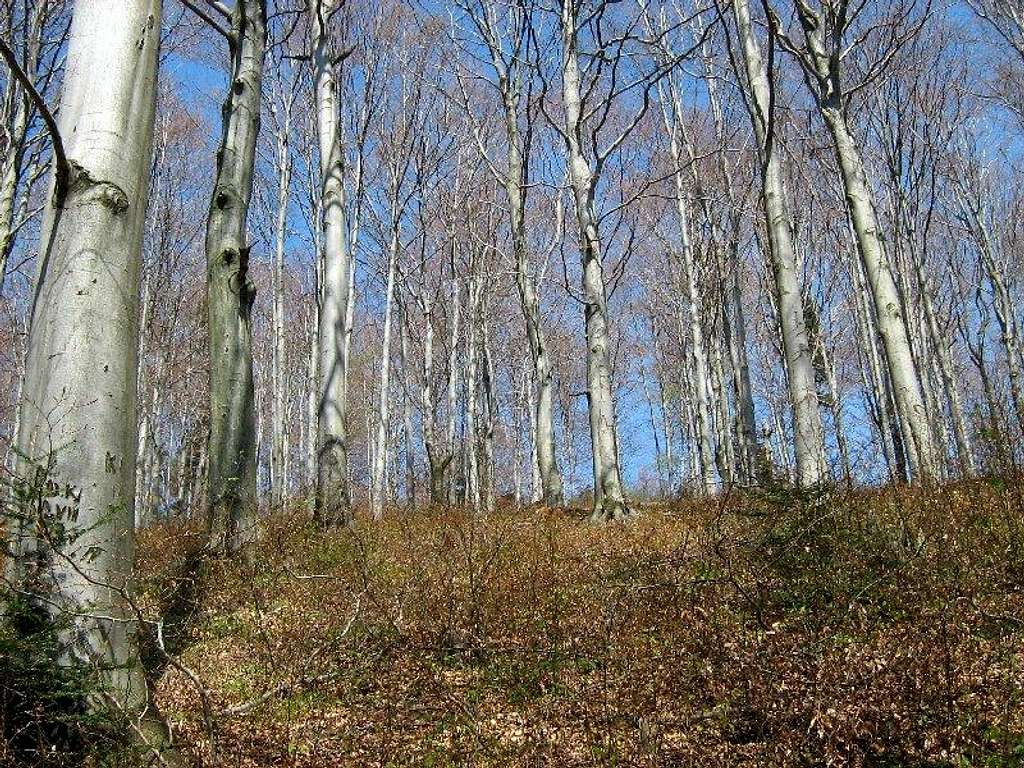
(755, 304)
(828, 26)
(231, 483)
(78, 423)
(586, 110)
(507, 37)
(808, 433)
(333, 502)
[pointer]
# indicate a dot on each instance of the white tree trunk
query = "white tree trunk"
(609, 497)
(698, 354)
(809, 438)
(891, 326)
(383, 408)
(278, 479)
(78, 416)
(407, 429)
(471, 467)
(490, 415)
(333, 503)
(889, 432)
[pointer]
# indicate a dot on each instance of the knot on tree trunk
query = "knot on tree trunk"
(224, 199)
(87, 188)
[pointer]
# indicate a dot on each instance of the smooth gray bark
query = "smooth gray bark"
(333, 504)
(283, 159)
(78, 416)
(510, 71)
(808, 434)
(609, 497)
(820, 59)
(384, 404)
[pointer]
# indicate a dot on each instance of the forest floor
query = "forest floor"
(874, 628)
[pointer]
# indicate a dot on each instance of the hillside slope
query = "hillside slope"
(883, 628)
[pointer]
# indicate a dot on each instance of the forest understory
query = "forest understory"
(875, 628)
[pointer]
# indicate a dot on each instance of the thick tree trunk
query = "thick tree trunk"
(809, 438)
(333, 504)
(231, 494)
(698, 354)
(609, 497)
(78, 418)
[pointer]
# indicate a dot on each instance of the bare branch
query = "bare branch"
(62, 168)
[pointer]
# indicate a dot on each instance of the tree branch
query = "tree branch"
(62, 168)
(207, 18)
(220, 8)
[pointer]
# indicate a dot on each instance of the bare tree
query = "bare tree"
(830, 35)
(31, 37)
(281, 111)
(231, 490)
(808, 434)
(587, 110)
(506, 34)
(333, 502)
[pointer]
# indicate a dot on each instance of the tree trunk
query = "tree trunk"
(747, 421)
(885, 421)
(231, 495)
(278, 480)
(333, 503)
(809, 437)
(490, 416)
(471, 466)
(609, 498)
(544, 435)
(698, 355)
(902, 369)
(383, 415)
(78, 420)
(407, 430)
